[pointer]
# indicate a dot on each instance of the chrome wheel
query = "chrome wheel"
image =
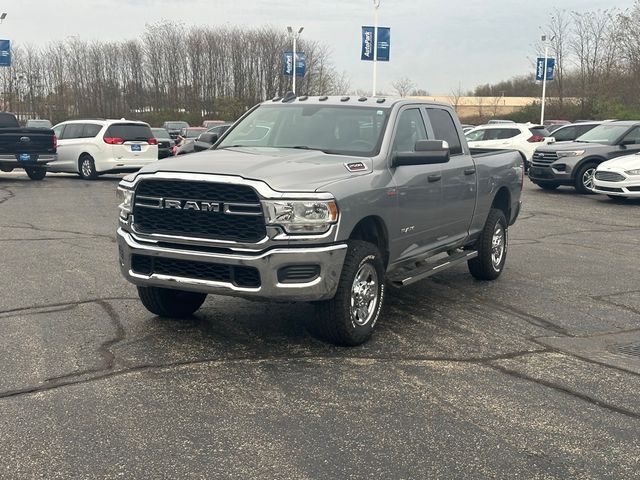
(498, 246)
(87, 168)
(587, 178)
(364, 295)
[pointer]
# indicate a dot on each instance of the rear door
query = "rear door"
(131, 142)
(459, 183)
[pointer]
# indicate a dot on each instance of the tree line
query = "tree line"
(174, 71)
(597, 71)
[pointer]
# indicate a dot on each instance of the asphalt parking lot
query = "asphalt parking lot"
(535, 375)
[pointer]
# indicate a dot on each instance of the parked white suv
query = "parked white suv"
(93, 147)
(513, 136)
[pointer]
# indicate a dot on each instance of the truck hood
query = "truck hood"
(562, 146)
(628, 162)
(283, 169)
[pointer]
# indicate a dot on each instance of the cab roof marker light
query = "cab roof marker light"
(303, 98)
(276, 99)
(323, 99)
(380, 100)
(345, 99)
(362, 99)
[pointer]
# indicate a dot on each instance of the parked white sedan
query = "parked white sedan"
(619, 178)
(513, 136)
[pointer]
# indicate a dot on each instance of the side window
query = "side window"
(505, 133)
(476, 135)
(445, 129)
(73, 130)
(566, 133)
(59, 131)
(410, 130)
(633, 135)
(90, 130)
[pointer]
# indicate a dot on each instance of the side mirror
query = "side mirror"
(624, 143)
(427, 152)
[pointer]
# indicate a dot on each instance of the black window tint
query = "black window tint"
(566, 133)
(507, 133)
(161, 134)
(73, 130)
(410, 129)
(129, 132)
(582, 129)
(91, 130)
(445, 129)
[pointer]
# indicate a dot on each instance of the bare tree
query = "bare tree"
(403, 86)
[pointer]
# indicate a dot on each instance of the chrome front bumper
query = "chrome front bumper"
(330, 260)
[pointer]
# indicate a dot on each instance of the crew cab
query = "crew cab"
(321, 199)
(28, 148)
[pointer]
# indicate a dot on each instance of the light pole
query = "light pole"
(376, 6)
(544, 76)
(294, 36)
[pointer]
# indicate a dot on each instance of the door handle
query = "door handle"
(434, 178)
(469, 171)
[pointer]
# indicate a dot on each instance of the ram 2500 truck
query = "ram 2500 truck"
(27, 148)
(319, 199)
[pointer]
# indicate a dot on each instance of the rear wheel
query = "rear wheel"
(584, 178)
(547, 185)
(36, 173)
(492, 248)
(87, 167)
(165, 302)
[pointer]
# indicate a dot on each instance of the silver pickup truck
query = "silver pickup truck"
(321, 199)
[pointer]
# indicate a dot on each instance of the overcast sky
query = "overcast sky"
(438, 44)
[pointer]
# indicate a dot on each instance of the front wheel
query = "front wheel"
(584, 178)
(169, 303)
(36, 173)
(350, 317)
(492, 248)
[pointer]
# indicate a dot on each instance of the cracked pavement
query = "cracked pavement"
(535, 375)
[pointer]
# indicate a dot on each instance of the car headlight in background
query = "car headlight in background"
(302, 216)
(633, 172)
(570, 153)
(125, 198)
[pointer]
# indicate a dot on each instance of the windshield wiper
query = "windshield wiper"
(305, 147)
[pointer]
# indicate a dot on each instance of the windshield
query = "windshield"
(161, 133)
(176, 125)
(337, 129)
(606, 134)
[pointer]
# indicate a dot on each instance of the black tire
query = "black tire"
(87, 168)
(169, 303)
(484, 266)
(36, 173)
(335, 320)
(581, 183)
(547, 185)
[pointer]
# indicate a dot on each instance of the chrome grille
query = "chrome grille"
(609, 176)
(244, 223)
(544, 158)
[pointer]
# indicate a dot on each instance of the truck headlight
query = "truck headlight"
(633, 172)
(570, 153)
(125, 199)
(302, 216)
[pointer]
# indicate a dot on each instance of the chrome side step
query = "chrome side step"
(407, 277)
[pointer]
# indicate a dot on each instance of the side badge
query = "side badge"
(356, 167)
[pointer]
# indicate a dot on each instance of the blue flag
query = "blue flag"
(301, 64)
(551, 65)
(383, 41)
(5, 53)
